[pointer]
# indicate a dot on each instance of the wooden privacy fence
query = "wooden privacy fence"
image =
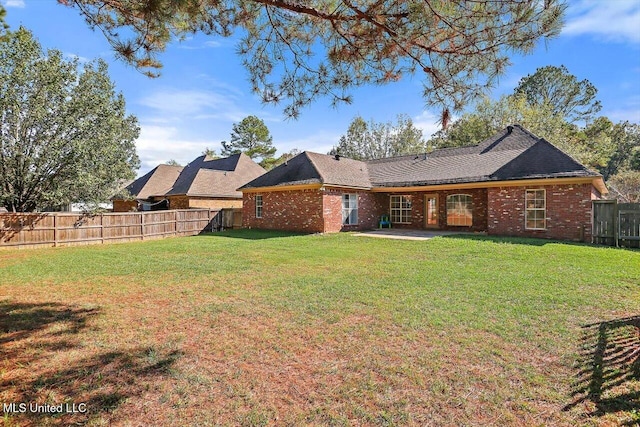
(616, 224)
(62, 228)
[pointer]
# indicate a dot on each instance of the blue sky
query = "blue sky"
(203, 89)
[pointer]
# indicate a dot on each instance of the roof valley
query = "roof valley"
(500, 157)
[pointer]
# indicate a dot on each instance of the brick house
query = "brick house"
(203, 183)
(513, 183)
(156, 182)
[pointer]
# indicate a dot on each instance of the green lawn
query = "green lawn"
(262, 328)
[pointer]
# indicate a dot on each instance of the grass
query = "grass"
(260, 328)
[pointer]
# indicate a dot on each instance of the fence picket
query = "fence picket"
(616, 224)
(60, 229)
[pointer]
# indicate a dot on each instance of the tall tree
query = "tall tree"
(555, 86)
(490, 116)
(64, 132)
(251, 137)
(623, 149)
(3, 24)
(626, 185)
(297, 51)
(210, 152)
(378, 140)
(601, 145)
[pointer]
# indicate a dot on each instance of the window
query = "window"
(535, 210)
(349, 209)
(460, 210)
(400, 209)
(259, 206)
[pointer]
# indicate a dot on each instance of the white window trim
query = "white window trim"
(259, 206)
(543, 209)
(353, 198)
(408, 210)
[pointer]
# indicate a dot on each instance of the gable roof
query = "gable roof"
(215, 177)
(202, 177)
(314, 168)
(511, 154)
(158, 180)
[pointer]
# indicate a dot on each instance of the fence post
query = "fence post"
(142, 225)
(616, 230)
(102, 229)
(175, 222)
(55, 231)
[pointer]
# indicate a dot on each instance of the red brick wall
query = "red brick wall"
(417, 209)
(209, 203)
(125, 205)
(299, 210)
(370, 207)
(418, 214)
(568, 212)
(479, 197)
(177, 202)
(499, 211)
(312, 211)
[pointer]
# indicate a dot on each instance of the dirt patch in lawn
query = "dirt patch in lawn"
(321, 330)
(242, 367)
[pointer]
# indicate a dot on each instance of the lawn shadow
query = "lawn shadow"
(43, 361)
(251, 234)
(529, 241)
(608, 367)
(19, 321)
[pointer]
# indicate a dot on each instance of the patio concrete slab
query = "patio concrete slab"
(402, 234)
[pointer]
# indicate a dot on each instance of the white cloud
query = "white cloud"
(220, 85)
(428, 122)
(630, 114)
(158, 144)
(206, 45)
(14, 3)
(180, 123)
(614, 20)
(626, 109)
(319, 142)
(193, 104)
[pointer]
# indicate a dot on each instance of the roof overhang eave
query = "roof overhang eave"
(489, 183)
(598, 183)
(290, 187)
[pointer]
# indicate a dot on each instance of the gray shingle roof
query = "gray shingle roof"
(202, 177)
(513, 153)
(158, 180)
(314, 168)
(216, 177)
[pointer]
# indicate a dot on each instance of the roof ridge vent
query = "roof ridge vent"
(509, 129)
